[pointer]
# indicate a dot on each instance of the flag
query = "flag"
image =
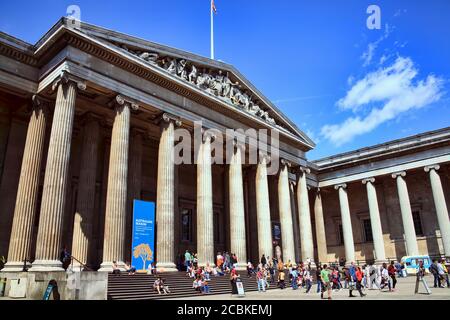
(213, 7)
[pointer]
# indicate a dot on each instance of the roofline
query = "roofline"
(382, 148)
(201, 59)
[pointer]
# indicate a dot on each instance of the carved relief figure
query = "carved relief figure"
(217, 84)
(193, 74)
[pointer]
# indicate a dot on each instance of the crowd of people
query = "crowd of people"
(274, 272)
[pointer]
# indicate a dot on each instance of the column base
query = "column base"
(46, 266)
(15, 266)
(166, 267)
(108, 266)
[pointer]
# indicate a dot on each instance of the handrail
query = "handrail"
(85, 267)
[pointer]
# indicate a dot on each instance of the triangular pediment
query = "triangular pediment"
(212, 77)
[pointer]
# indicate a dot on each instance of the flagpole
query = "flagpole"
(212, 31)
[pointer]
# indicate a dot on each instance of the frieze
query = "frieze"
(215, 82)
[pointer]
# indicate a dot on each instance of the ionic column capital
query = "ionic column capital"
(237, 144)
(120, 101)
(434, 167)
(65, 78)
(303, 170)
(208, 135)
(286, 163)
(398, 174)
(39, 102)
(262, 156)
(342, 185)
(371, 180)
(168, 118)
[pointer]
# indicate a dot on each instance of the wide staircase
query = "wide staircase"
(140, 286)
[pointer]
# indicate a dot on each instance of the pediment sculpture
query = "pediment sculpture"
(214, 82)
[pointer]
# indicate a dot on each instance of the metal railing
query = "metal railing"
(83, 267)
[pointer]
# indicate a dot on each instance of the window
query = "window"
(367, 227)
(341, 234)
(417, 223)
(186, 225)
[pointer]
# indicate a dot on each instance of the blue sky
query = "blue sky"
(345, 85)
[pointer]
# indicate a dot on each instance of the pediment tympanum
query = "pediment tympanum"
(214, 81)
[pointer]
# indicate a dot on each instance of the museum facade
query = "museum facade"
(90, 120)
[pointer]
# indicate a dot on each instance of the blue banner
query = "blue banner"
(143, 244)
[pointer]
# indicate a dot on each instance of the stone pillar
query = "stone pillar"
(82, 242)
(375, 222)
(237, 212)
(263, 208)
(412, 248)
(295, 222)
(205, 224)
(441, 207)
(284, 202)
(27, 193)
(165, 203)
(116, 198)
(134, 185)
(322, 251)
(346, 223)
(49, 238)
(304, 215)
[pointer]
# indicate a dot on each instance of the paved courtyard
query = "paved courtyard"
(404, 291)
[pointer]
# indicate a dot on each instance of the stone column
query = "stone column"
(237, 212)
(134, 184)
(27, 193)
(116, 198)
(84, 215)
(295, 222)
(307, 244)
(375, 222)
(263, 208)
(48, 245)
(441, 207)
(322, 251)
(346, 223)
(412, 248)
(284, 202)
(165, 203)
(205, 223)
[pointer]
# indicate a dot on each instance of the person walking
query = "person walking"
(385, 278)
(260, 281)
(445, 274)
(294, 279)
(319, 279)
(373, 277)
(307, 277)
(187, 259)
(392, 270)
(263, 260)
(281, 276)
(358, 281)
(434, 269)
(326, 285)
(420, 278)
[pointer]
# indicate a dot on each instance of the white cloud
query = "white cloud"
(392, 90)
(368, 55)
